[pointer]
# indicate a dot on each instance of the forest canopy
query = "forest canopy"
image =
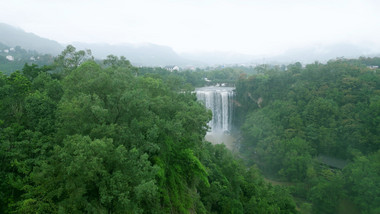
(317, 127)
(80, 136)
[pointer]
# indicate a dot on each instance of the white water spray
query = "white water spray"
(219, 100)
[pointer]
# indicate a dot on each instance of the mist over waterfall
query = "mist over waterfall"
(219, 100)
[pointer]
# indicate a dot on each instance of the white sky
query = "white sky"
(244, 26)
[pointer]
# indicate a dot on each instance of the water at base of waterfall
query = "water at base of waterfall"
(219, 100)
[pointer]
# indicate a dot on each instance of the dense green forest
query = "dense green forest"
(316, 129)
(78, 136)
(200, 77)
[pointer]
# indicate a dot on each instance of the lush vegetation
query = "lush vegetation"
(83, 137)
(199, 77)
(317, 127)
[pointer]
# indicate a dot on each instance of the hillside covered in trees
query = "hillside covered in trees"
(86, 136)
(79, 136)
(318, 129)
(14, 58)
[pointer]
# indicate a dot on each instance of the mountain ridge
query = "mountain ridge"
(12, 36)
(142, 55)
(149, 54)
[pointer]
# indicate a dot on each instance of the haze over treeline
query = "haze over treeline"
(158, 55)
(247, 27)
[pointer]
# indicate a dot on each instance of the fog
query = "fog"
(248, 27)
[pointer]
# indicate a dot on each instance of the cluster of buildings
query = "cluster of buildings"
(8, 57)
(11, 53)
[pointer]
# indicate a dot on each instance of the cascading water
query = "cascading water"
(219, 100)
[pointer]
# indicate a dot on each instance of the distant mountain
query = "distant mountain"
(143, 54)
(307, 54)
(322, 53)
(158, 55)
(12, 37)
(219, 58)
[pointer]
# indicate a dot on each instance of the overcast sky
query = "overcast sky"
(244, 26)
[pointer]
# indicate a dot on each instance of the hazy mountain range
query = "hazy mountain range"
(324, 53)
(158, 55)
(12, 36)
(139, 54)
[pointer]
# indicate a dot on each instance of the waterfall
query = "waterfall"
(219, 100)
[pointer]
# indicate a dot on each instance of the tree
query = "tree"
(70, 59)
(87, 175)
(363, 182)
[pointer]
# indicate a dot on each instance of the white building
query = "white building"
(172, 68)
(373, 67)
(175, 68)
(10, 58)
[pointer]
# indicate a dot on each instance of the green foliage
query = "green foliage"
(70, 59)
(93, 177)
(90, 139)
(364, 182)
(327, 192)
(197, 78)
(296, 160)
(290, 118)
(32, 71)
(234, 189)
(39, 112)
(115, 62)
